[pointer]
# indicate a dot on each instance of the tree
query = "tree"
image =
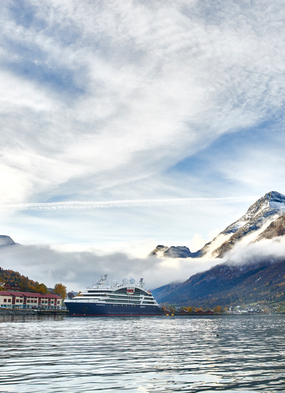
(60, 289)
(218, 309)
(41, 288)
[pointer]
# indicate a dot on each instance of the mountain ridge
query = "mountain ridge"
(173, 252)
(257, 218)
(228, 285)
(250, 226)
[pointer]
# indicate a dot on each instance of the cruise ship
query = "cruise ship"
(128, 298)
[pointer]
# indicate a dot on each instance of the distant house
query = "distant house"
(12, 286)
(15, 299)
(204, 312)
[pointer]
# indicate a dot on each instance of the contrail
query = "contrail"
(77, 205)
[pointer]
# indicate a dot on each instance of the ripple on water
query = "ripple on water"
(143, 354)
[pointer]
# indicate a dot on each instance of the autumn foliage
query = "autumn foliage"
(28, 285)
(60, 289)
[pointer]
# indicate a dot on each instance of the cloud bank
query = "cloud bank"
(77, 270)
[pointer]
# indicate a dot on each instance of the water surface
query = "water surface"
(142, 354)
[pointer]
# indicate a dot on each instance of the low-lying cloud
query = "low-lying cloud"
(265, 250)
(77, 270)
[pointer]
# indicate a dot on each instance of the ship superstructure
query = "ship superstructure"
(113, 299)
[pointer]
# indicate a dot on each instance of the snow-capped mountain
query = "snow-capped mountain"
(249, 227)
(259, 277)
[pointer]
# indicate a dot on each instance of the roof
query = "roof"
(29, 294)
(3, 293)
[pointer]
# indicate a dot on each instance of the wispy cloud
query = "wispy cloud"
(161, 81)
(102, 101)
(126, 203)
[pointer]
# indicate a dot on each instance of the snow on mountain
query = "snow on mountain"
(274, 230)
(258, 277)
(270, 204)
(251, 225)
(172, 252)
(246, 230)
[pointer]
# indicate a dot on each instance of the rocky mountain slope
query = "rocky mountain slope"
(173, 252)
(250, 226)
(274, 230)
(228, 284)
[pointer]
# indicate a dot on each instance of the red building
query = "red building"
(12, 286)
(18, 299)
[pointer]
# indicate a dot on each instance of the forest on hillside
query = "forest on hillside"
(28, 285)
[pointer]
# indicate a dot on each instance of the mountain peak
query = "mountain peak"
(258, 216)
(275, 195)
(276, 200)
(272, 199)
(173, 252)
(6, 241)
(270, 204)
(245, 230)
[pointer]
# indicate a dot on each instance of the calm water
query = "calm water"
(158, 354)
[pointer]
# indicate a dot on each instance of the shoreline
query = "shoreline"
(18, 311)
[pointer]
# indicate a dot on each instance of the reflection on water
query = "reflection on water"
(157, 354)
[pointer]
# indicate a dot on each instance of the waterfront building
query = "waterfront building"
(11, 299)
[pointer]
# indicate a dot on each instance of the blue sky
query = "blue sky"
(164, 105)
